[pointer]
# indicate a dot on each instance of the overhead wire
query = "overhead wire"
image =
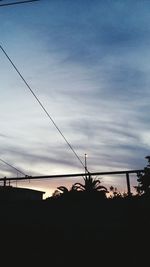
(16, 169)
(10, 4)
(16, 3)
(42, 106)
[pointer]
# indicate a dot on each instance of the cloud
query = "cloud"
(3, 135)
(88, 62)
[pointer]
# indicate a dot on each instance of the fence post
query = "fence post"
(4, 181)
(128, 184)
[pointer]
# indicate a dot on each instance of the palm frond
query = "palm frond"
(63, 189)
(79, 186)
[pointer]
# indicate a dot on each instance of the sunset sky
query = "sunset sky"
(88, 63)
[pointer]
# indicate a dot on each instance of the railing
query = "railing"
(127, 173)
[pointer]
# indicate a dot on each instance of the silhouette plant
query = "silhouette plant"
(63, 191)
(115, 192)
(144, 180)
(91, 185)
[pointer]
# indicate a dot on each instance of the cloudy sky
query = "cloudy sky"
(88, 63)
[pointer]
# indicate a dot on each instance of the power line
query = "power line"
(42, 106)
(12, 167)
(16, 3)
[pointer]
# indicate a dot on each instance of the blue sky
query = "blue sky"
(88, 62)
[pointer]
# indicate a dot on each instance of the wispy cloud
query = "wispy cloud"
(88, 62)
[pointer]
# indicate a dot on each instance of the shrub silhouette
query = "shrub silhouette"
(64, 192)
(90, 188)
(115, 194)
(144, 180)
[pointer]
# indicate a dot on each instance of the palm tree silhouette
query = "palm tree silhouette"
(90, 185)
(64, 191)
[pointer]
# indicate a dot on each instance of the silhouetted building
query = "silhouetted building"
(17, 193)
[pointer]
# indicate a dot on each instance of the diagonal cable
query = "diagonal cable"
(16, 3)
(42, 106)
(12, 167)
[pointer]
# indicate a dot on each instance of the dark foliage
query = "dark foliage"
(89, 190)
(101, 233)
(144, 180)
(77, 227)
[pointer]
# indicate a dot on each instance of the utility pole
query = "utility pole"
(85, 164)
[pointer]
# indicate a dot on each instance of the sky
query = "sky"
(88, 63)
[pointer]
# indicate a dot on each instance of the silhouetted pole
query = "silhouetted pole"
(4, 181)
(26, 177)
(128, 184)
(85, 164)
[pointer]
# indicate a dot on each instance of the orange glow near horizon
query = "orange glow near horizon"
(50, 185)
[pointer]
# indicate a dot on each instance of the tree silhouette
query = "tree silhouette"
(91, 185)
(144, 180)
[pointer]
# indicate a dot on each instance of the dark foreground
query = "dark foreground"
(76, 233)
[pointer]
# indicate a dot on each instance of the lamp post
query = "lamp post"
(85, 164)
